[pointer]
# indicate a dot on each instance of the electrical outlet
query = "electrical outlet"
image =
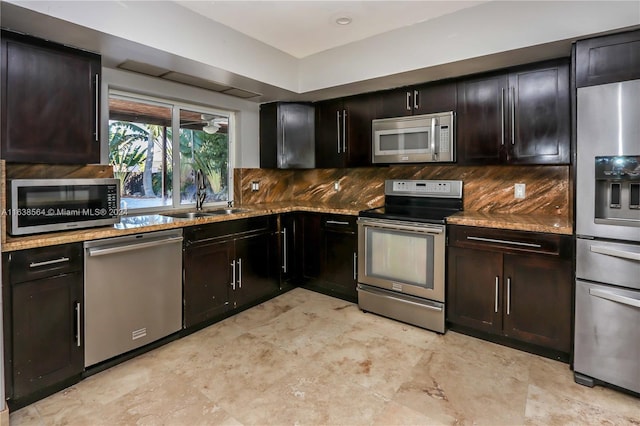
(255, 185)
(336, 185)
(520, 190)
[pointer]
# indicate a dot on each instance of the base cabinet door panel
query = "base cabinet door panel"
(256, 275)
(537, 308)
(474, 299)
(207, 279)
(46, 339)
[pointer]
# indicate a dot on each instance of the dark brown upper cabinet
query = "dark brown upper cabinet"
(425, 99)
(50, 102)
(518, 117)
(287, 135)
(608, 59)
(343, 131)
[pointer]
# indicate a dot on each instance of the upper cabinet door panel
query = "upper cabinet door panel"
(608, 59)
(481, 120)
(539, 116)
(50, 103)
(434, 98)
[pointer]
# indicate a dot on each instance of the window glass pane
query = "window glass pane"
(140, 151)
(204, 145)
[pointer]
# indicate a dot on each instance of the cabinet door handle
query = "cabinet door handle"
(97, 81)
(408, 101)
(344, 130)
(336, 222)
(495, 305)
(355, 266)
(513, 243)
(284, 250)
(240, 273)
(78, 319)
(338, 129)
(502, 114)
(48, 262)
(233, 274)
(508, 296)
(513, 116)
(415, 99)
(282, 152)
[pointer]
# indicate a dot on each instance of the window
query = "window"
(142, 143)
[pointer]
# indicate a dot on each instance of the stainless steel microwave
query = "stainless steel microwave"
(416, 139)
(44, 205)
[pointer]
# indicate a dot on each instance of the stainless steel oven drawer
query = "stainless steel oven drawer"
(412, 310)
(608, 262)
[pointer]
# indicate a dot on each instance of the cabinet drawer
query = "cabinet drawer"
(339, 223)
(509, 241)
(33, 264)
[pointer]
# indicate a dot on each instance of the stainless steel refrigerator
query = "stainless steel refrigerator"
(607, 311)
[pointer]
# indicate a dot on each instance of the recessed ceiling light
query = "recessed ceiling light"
(343, 20)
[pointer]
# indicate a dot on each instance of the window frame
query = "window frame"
(177, 106)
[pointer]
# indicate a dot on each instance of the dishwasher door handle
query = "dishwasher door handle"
(129, 247)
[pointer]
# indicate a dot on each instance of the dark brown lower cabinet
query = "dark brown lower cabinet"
(516, 285)
(228, 266)
(43, 336)
(330, 259)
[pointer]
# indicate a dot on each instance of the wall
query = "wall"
(486, 188)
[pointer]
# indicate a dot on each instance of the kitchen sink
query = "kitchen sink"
(226, 211)
(186, 215)
(195, 215)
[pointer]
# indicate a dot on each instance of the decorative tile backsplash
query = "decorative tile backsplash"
(486, 188)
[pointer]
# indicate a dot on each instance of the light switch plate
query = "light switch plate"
(336, 185)
(255, 185)
(520, 190)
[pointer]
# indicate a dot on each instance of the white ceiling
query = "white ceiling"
(303, 28)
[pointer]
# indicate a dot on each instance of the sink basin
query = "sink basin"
(194, 215)
(186, 215)
(226, 211)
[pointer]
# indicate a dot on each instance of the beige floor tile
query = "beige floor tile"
(549, 408)
(307, 358)
(484, 384)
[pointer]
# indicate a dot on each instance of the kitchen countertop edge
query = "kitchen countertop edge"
(156, 222)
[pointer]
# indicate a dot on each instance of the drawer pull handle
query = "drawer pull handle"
(513, 243)
(336, 222)
(48, 262)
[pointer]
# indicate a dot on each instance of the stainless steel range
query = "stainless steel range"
(401, 246)
(607, 315)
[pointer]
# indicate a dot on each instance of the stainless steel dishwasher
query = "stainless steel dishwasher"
(132, 291)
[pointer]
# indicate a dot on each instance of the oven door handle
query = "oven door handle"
(395, 226)
(608, 295)
(615, 253)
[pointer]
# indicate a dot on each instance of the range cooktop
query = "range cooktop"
(425, 201)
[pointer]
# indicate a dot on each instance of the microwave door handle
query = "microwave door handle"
(434, 154)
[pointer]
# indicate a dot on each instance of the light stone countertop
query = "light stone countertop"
(518, 222)
(156, 222)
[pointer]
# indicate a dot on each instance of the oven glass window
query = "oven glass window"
(400, 256)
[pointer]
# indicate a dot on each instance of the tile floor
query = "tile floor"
(306, 358)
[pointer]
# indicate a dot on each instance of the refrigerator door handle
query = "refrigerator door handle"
(623, 254)
(608, 295)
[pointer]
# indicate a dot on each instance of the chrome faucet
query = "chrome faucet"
(201, 189)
